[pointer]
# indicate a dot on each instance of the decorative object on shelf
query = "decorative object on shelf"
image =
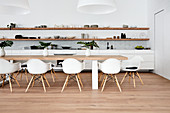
(139, 47)
(123, 36)
(86, 26)
(125, 26)
(94, 26)
(3, 45)
(14, 7)
(41, 26)
(88, 45)
(19, 37)
(11, 25)
(96, 6)
(45, 45)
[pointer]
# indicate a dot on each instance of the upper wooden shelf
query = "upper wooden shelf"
(75, 28)
(143, 39)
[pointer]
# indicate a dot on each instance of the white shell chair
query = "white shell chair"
(131, 67)
(9, 68)
(38, 67)
(72, 68)
(110, 68)
(24, 67)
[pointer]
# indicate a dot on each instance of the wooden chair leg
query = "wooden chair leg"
(46, 81)
(100, 76)
(43, 83)
(26, 74)
(134, 79)
(104, 83)
(17, 74)
(15, 79)
(80, 80)
(52, 76)
(33, 82)
(78, 83)
(65, 83)
(124, 78)
(4, 78)
(139, 78)
(113, 77)
(10, 85)
(129, 76)
(54, 73)
(29, 84)
(118, 84)
(103, 80)
(21, 74)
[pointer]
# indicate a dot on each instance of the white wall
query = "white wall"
(50, 12)
(159, 33)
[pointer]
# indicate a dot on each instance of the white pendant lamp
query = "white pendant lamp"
(96, 6)
(14, 7)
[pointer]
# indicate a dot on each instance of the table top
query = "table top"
(63, 57)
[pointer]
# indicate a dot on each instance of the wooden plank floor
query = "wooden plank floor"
(152, 97)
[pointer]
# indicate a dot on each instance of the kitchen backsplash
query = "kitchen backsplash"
(19, 45)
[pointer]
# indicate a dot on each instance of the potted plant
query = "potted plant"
(3, 45)
(45, 45)
(88, 45)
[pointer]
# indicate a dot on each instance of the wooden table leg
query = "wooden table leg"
(94, 74)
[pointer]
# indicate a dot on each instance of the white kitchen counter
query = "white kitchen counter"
(147, 55)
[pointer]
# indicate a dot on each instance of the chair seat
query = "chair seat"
(130, 69)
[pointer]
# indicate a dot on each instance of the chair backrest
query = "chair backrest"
(110, 66)
(36, 66)
(72, 66)
(6, 67)
(135, 61)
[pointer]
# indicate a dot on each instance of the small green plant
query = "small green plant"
(89, 44)
(45, 45)
(6, 43)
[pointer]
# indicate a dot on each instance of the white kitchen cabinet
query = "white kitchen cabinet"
(147, 55)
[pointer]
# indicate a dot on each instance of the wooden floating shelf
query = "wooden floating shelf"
(142, 39)
(75, 28)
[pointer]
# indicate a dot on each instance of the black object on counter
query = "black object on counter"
(107, 45)
(34, 47)
(111, 47)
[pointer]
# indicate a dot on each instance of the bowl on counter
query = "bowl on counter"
(66, 47)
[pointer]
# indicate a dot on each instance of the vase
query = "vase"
(87, 52)
(45, 52)
(2, 52)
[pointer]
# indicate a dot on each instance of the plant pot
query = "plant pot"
(2, 52)
(87, 52)
(45, 52)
